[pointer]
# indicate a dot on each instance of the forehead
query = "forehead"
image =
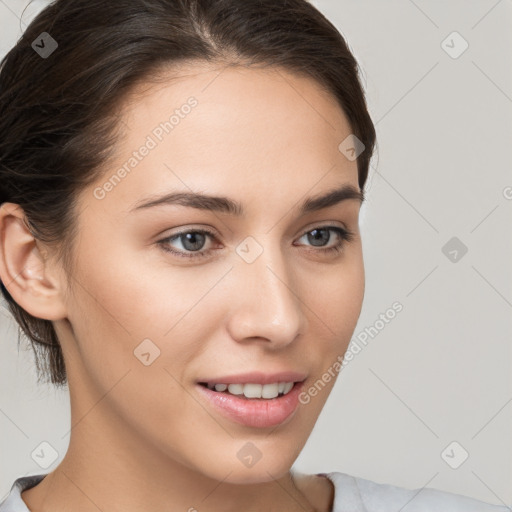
(236, 104)
(231, 129)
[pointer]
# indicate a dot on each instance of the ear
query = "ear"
(25, 269)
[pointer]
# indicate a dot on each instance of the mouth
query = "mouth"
(253, 391)
(266, 406)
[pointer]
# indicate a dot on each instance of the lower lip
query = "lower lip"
(254, 412)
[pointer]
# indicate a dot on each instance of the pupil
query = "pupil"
(315, 238)
(192, 237)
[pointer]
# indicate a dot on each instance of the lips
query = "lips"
(255, 413)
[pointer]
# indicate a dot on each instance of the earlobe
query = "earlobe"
(24, 270)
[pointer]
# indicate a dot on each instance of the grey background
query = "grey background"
(440, 371)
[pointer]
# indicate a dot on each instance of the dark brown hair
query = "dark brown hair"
(58, 114)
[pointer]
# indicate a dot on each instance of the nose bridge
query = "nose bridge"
(268, 306)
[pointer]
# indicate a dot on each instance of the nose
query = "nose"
(266, 304)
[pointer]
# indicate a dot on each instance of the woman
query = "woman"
(181, 183)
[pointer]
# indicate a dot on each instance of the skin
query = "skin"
(140, 437)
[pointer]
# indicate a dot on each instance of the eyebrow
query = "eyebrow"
(224, 204)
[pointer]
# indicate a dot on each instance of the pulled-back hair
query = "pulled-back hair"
(59, 112)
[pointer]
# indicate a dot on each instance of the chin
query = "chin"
(254, 475)
(236, 472)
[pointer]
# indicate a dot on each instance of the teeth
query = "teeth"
(236, 389)
(255, 390)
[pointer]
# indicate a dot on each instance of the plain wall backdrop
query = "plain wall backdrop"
(426, 399)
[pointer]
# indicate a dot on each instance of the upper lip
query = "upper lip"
(256, 378)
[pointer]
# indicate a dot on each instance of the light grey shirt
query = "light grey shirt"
(352, 494)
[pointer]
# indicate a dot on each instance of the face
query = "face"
(169, 295)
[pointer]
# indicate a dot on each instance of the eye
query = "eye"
(193, 240)
(320, 234)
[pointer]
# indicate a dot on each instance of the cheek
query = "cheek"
(333, 318)
(338, 296)
(128, 307)
(128, 299)
(335, 310)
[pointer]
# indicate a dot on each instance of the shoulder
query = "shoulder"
(361, 495)
(13, 502)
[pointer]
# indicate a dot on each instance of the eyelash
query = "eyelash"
(346, 236)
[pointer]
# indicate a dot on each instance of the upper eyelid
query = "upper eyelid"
(211, 233)
(327, 224)
(315, 225)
